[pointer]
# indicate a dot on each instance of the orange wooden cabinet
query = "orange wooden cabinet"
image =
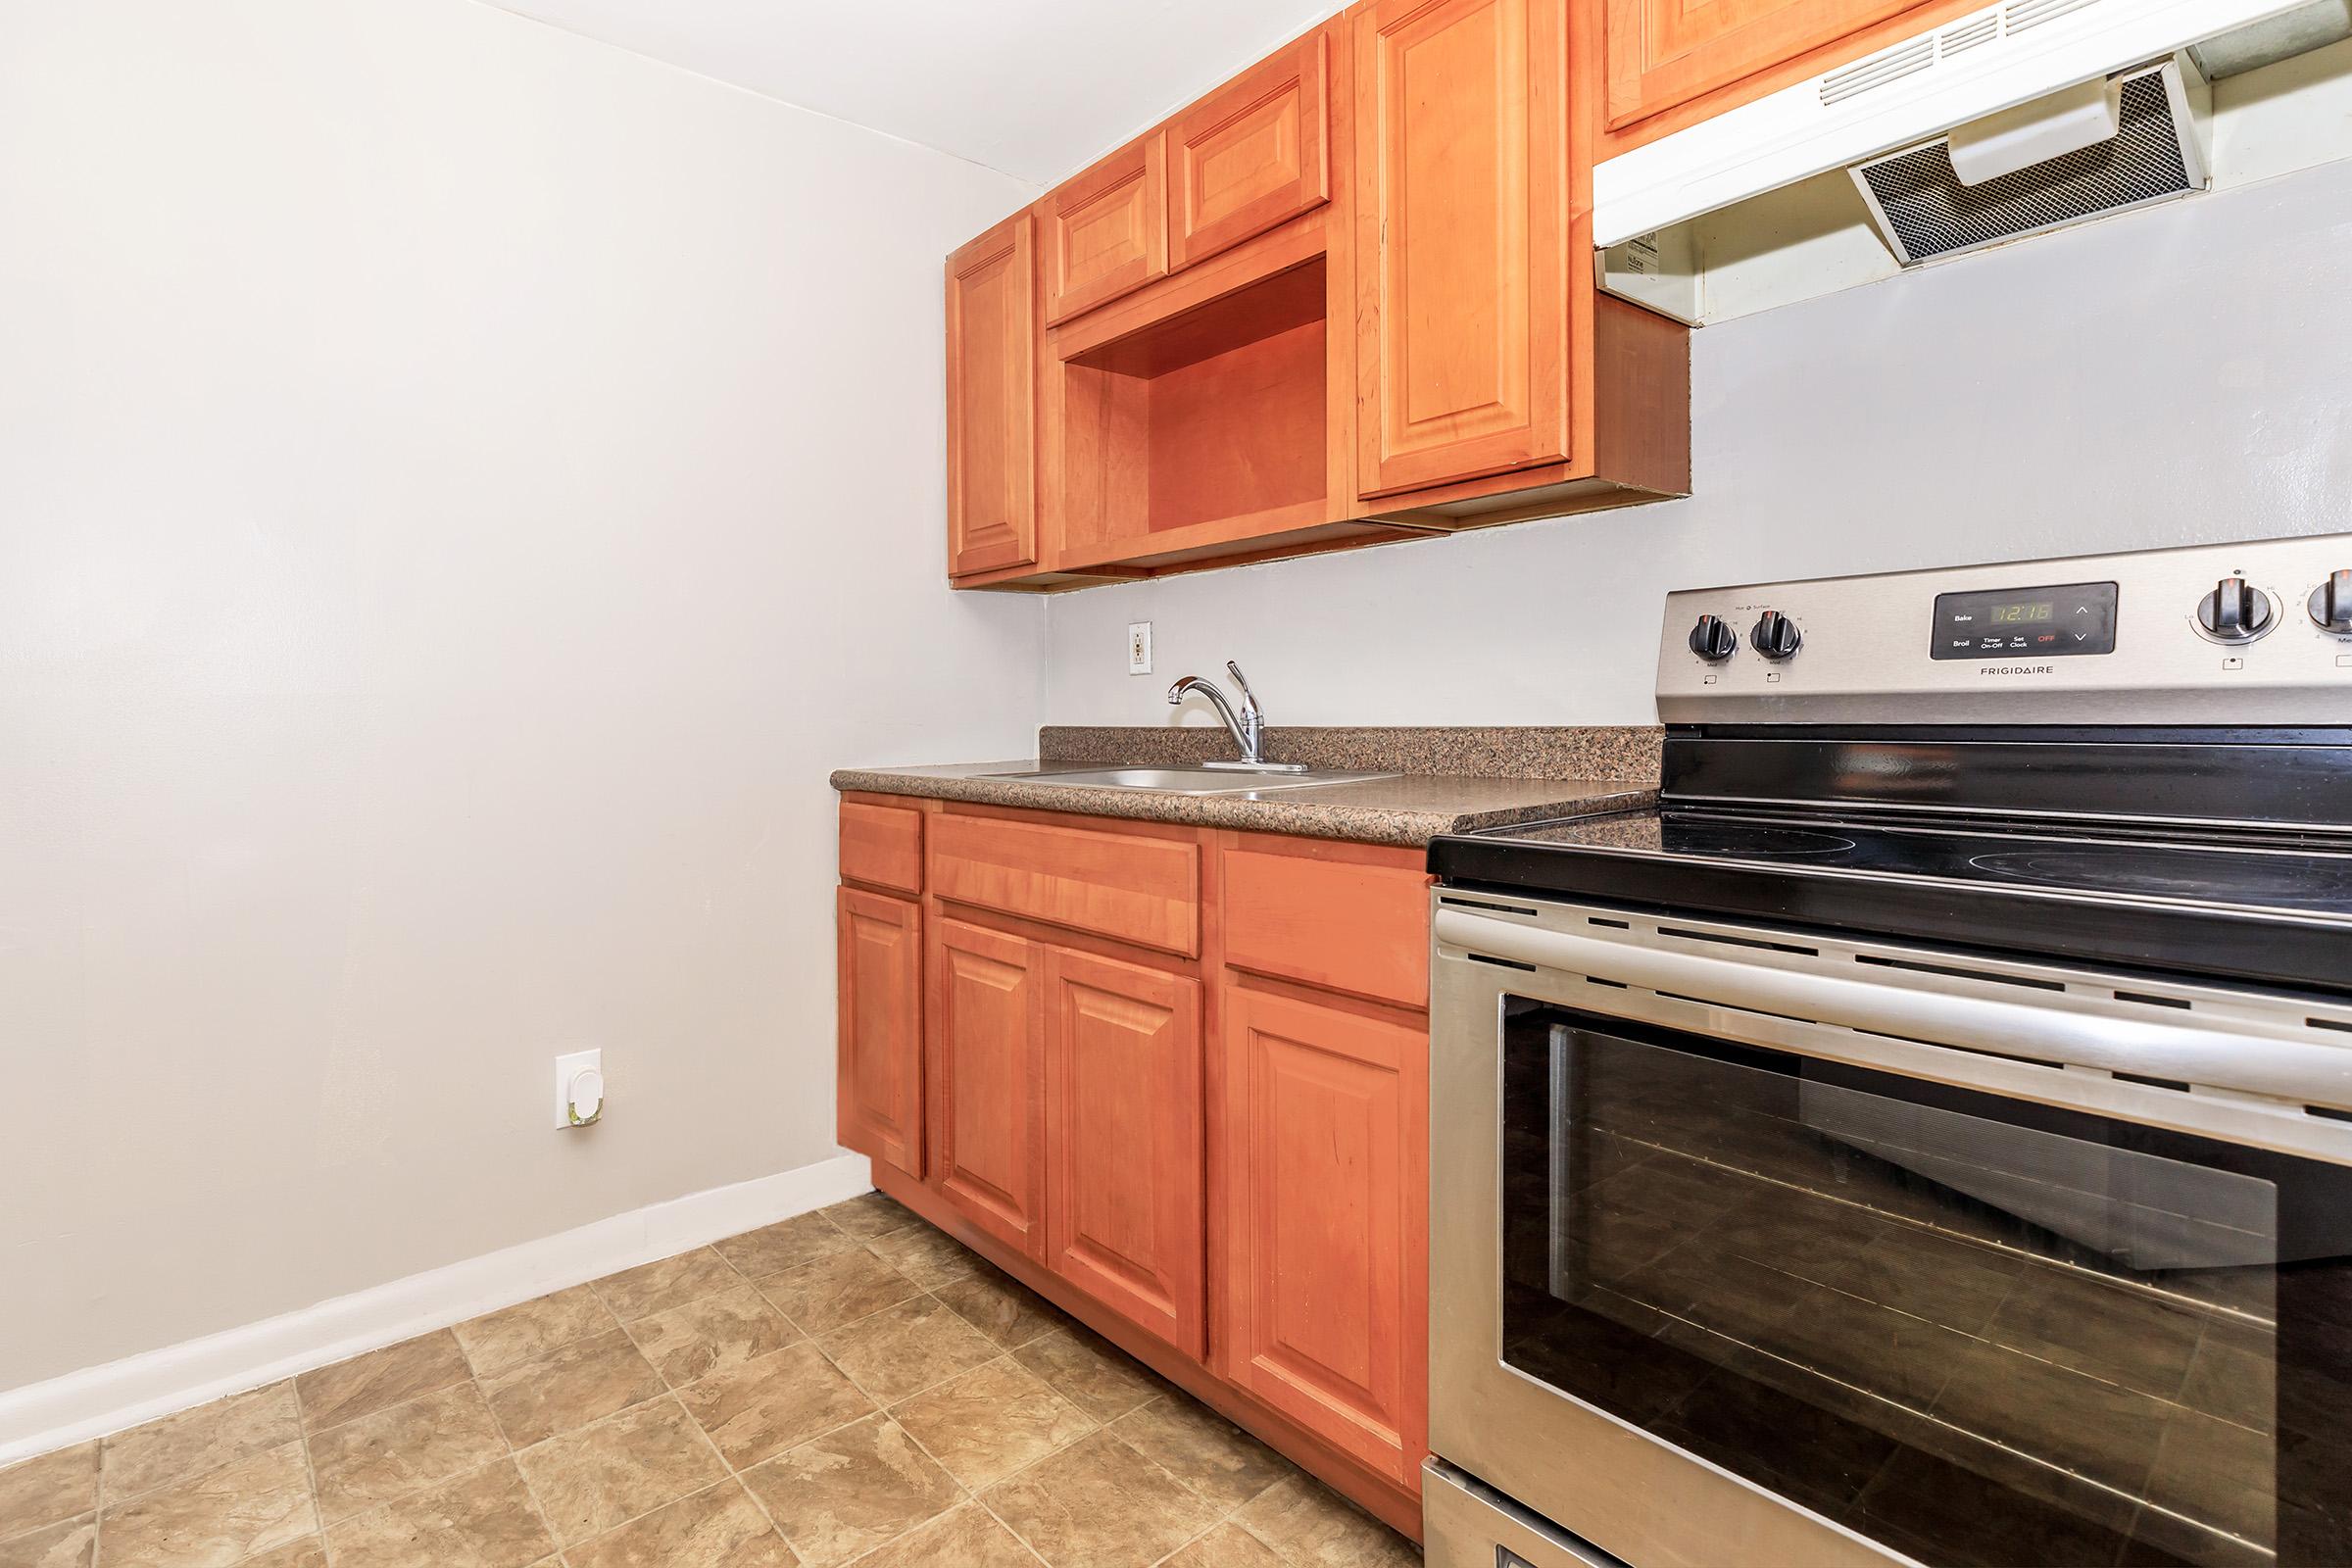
(1174, 1079)
(1106, 231)
(985, 1071)
(1124, 1185)
(1673, 63)
(1346, 297)
(1325, 1258)
(1460, 188)
(879, 1064)
(991, 401)
(1252, 156)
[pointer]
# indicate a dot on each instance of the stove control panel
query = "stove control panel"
(2250, 633)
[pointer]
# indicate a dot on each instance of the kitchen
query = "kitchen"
(829, 734)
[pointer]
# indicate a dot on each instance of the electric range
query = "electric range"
(1927, 1135)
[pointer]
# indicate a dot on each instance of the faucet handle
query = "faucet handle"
(1248, 697)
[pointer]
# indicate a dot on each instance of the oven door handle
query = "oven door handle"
(2313, 1074)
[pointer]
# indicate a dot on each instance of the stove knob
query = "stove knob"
(2331, 603)
(1714, 641)
(1776, 636)
(2236, 612)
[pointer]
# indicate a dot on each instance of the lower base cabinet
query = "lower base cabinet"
(986, 1073)
(1326, 1183)
(1124, 1189)
(1214, 1144)
(879, 1067)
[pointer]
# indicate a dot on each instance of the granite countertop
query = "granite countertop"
(1474, 790)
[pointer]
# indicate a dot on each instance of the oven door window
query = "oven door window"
(1975, 1329)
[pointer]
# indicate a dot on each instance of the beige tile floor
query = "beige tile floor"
(847, 1387)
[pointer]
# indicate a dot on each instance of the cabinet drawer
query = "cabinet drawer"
(1340, 924)
(1135, 889)
(882, 845)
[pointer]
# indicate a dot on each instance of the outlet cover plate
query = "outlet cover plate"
(1138, 648)
(569, 1067)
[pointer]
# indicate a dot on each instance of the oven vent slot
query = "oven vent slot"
(2330, 1113)
(1738, 942)
(2152, 1083)
(1951, 972)
(1492, 908)
(1502, 964)
(2328, 1023)
(1614, 925)
(2146, 1000)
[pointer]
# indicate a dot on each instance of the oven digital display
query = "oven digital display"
(2026, 623)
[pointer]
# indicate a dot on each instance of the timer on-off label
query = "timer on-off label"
(2020, 622)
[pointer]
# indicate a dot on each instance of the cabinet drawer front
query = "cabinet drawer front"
(1254, 155)
(1126, 886)
(1106, 231)
(879, 1082)
(1339, 925)
(1123, 1117)
(992, 400)
(1326, 1142)
(882, 845)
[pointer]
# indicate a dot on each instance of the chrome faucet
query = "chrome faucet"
(1249, 726)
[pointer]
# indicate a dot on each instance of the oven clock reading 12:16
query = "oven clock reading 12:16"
(2022, 622)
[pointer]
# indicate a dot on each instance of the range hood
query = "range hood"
(1968, 71)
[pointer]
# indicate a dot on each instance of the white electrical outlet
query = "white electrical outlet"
(579, 1088)
(1138, 648)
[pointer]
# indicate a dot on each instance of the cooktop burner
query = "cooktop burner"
(2254, 879)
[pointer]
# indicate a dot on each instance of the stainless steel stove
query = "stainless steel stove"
(1925, 1137)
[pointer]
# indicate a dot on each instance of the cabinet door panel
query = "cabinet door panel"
(992, 400)
(987, 1080)
(1325, 1138)
(879, 1060)
(1250, 158)
(1123, 1117)
(1462, 234)
(1106, 231)
(1664, 53)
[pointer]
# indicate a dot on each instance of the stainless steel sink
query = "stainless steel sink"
(1187, 780)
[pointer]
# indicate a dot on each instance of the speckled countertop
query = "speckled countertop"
(1444, 780)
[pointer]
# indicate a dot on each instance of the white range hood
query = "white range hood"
(1976, 65)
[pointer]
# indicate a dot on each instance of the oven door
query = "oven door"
(1779, 1249)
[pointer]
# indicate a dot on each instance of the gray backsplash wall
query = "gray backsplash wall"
(2169, 376)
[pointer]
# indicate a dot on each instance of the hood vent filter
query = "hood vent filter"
(1923, 211)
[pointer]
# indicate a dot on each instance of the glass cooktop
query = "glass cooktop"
(2272, 877)
(2276, 909)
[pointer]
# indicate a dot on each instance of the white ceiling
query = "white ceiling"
(1034, 88)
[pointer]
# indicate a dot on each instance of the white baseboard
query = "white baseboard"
(81, 1405)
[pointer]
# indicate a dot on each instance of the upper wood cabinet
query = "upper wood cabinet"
(1123, 1117)
(1671, 62)
(1106, 231)
(992, 400)
(987, 1080)
(880, 1063)
(1461, 240)
(1252, 156)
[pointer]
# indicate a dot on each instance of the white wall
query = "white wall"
(2169, 376)
(461, 488)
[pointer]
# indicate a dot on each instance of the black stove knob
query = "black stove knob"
(2236, 612)
(1714, 641)
(2331, 603)
(1776, 636)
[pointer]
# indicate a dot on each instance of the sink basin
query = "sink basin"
(1189, 780)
